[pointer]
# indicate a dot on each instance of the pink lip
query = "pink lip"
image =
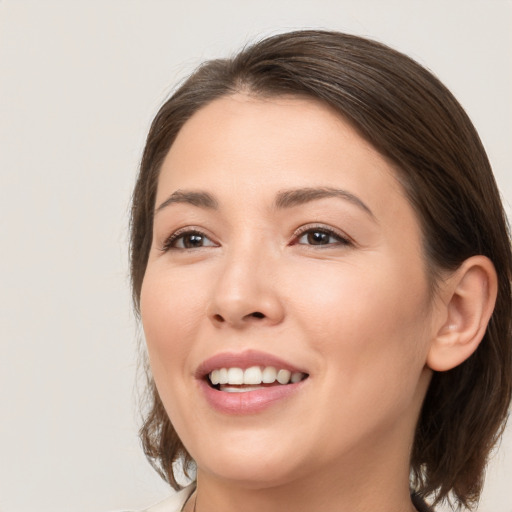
(250, 402)
(243, 360)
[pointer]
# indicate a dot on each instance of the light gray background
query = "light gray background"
(79, 84)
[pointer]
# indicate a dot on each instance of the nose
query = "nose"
(246, 292)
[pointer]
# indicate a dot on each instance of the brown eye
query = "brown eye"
(193, 240)
(188, 240)
(321, 237)
(317, 238)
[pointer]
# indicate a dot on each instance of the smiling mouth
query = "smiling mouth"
(238, 380)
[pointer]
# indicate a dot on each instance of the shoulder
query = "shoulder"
(173, 503)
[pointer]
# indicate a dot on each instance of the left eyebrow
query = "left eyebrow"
(299, 196)
(195, 198)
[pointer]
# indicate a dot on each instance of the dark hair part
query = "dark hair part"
(412, 119)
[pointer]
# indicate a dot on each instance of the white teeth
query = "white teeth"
(269, 375)
(296, 377)
(239, 390)
(223, 376)
(215, 377)
(235, 376)
(283, 376)
(253, 376)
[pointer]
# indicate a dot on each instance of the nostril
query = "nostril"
(219, 319)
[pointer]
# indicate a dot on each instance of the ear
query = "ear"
(468, 298)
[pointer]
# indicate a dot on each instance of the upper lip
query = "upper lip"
(243, 360)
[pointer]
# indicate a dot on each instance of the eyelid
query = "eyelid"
(343, 237)
(168, 242)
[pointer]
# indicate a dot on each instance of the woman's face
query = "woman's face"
(283, 240)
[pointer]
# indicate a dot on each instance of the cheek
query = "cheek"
(170, 312)
(171, 308)
(366, 319)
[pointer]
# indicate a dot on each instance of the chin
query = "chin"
(250, 474)
(251, 464)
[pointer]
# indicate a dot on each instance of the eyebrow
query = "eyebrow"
(300, 196)
(200, 199)
(284, 199)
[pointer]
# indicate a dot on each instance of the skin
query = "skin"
(355, 312)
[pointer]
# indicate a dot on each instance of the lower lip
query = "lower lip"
(249, 402)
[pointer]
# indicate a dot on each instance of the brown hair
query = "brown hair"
(411, 118)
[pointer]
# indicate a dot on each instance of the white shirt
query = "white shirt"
(173, 503)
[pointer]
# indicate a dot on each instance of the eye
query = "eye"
(320, 236)
(189, 239)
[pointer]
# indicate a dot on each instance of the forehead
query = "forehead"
(253, 144)
(275, 132)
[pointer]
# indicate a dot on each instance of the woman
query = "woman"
(322, 267)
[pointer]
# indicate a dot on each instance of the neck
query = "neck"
(356, 488)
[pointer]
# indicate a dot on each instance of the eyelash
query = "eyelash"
(341, 240)
(304, 230)
(170, 242)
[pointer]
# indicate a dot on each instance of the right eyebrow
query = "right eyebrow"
(195, 198)
(300, 196)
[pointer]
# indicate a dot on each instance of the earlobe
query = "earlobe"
(469, 298)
